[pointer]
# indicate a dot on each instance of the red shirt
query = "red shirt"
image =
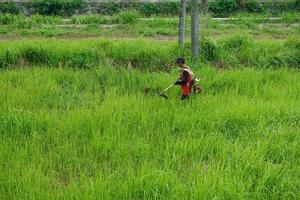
(185, 81)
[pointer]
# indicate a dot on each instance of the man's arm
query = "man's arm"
(184, 80)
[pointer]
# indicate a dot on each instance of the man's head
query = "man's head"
(180, 62)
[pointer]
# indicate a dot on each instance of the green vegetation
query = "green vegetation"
(223, 8)
(9, 7)
(219, 8)
(56, 7)
(92, 19)
(96, 134)
(21, 22)
(127, 17)
(253, 6)
(131, 25)
(235, 51)
(81, 118)
(164, 8)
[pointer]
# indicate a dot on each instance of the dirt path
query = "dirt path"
(82, 37)
(218, 18)
(97, 37)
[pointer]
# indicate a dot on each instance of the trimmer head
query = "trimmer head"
(163, 95)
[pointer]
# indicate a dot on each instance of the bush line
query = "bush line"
(219, 8)
(234, 51)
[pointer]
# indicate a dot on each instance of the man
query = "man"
(185, 79)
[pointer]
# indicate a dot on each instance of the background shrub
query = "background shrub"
(277, 7)
(9, 7)
(149, 9)
(109, 8)
(162, 8)
(56, 7)
(71, 6)
(223, 8)
(47, 7)
(218, 8)
(253, 6)
(169, 8)
(297, 5)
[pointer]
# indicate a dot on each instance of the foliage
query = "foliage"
(223, 8)
(297, 4)
(56, 7)
(168, 8)
(252, 6)
(9, 7)
(109, 8)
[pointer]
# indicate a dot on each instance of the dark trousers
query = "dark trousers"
(184, 97)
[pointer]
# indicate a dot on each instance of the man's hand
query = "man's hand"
(178, 82)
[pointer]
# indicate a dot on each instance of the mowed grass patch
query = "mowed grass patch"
(95, 134)
(130, 25)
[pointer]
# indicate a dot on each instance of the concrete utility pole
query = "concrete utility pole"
(195, 28)
(182, 12)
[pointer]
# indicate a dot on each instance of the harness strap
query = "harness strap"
(187, 69)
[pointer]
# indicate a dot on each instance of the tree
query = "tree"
(182, 12)
(195, 28)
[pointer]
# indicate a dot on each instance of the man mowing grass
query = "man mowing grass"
(185, 80)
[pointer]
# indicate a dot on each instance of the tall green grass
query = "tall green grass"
(234, 51)
(286, 17)
(95, 134)
(10, 19)
(129, 17)
(122, 18)
(92, 19)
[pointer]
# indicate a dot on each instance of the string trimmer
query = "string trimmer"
(162, 94)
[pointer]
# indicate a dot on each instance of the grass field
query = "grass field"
(95, 134)
(81, 118)
(236, 51)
